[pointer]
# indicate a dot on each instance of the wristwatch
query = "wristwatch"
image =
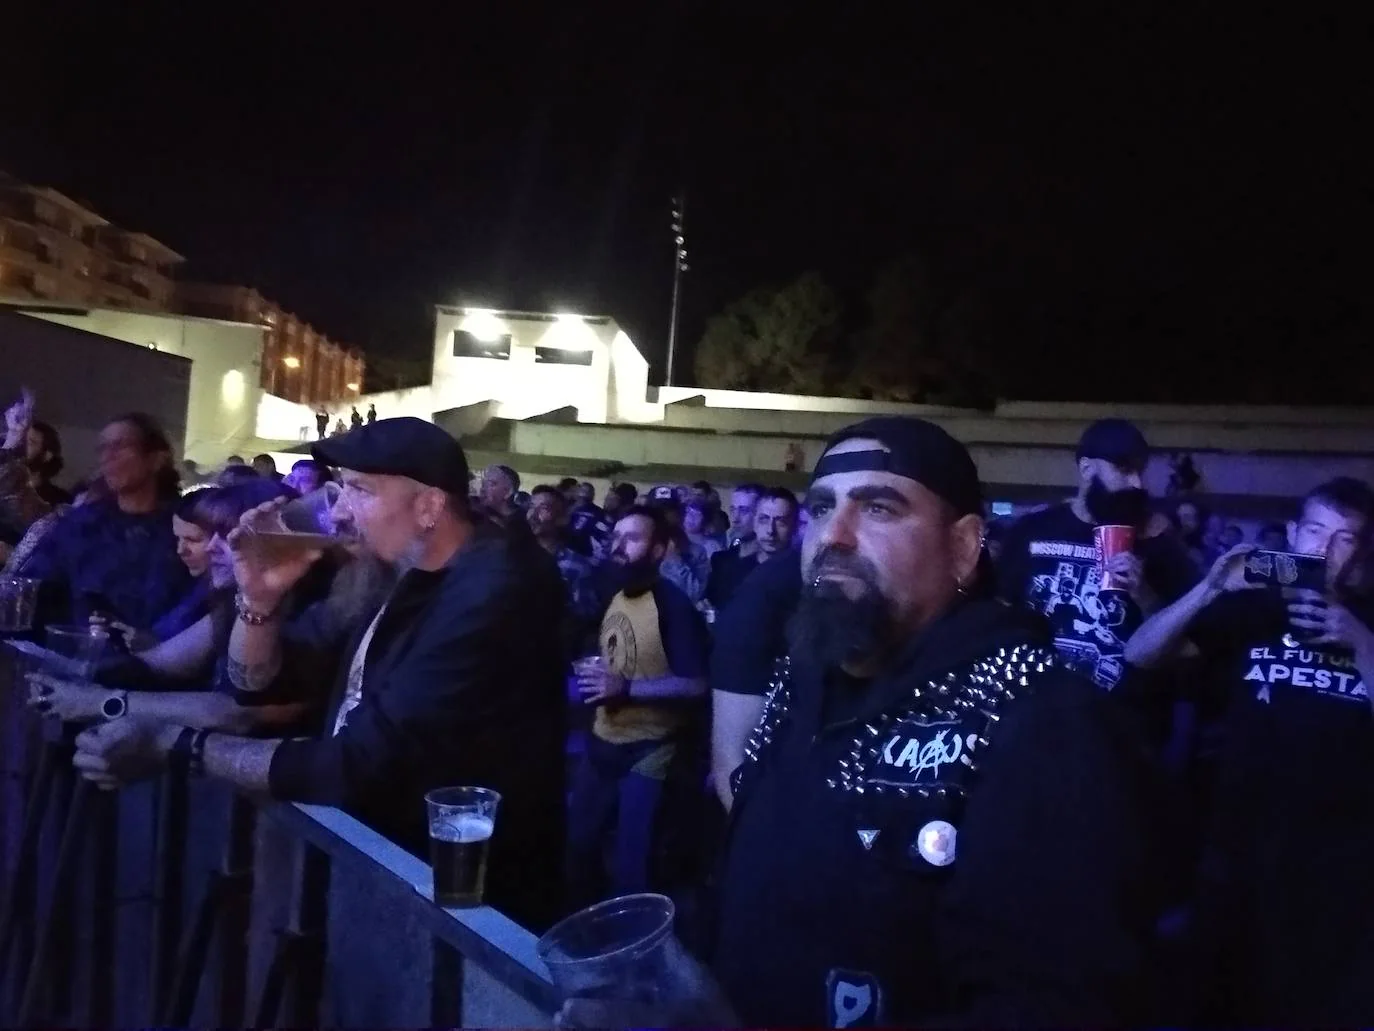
(115, 706)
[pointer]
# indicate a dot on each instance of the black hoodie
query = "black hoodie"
(847, 901)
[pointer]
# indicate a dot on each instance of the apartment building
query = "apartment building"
(56, 249)
(299, 363)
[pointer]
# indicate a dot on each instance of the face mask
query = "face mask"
(1129, 507)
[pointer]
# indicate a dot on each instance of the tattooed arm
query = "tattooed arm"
(255, 653)
(238, 761)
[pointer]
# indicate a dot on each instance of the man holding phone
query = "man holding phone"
(1286, 887)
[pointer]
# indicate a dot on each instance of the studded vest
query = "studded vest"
(966, 704)
(858, 846)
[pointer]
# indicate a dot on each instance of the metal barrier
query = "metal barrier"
(181, 904)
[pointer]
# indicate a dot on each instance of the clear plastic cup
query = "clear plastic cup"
(306, 523)
(461, 824)
(622, 949)
(75, 650)
(588, 665)
(18, 603)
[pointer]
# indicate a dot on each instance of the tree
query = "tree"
(782, 340)
(895, 343)
(921, 342)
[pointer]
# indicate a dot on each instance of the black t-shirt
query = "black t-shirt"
(729, 570)
(751, 632)
(1291, 848)
(1049, 564)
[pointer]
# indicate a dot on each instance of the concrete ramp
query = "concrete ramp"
(467, 421)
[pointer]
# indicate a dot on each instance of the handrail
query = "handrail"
(475, 965)
(482, 934)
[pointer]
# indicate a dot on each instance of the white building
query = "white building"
(222, 412)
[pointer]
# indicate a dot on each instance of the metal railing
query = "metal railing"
(179, 903)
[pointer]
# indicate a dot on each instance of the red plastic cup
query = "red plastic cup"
(1111, 541)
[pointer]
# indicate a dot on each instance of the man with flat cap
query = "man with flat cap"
(1049, 559)
(934, 824)
(457, 678)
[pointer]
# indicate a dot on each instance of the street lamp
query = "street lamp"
(679, 266)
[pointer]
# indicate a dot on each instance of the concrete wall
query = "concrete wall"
(279, 419)
(83, 380)
(222, 411)
(1032, 465)
(1198, 429)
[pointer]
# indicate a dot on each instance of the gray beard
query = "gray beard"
(359, 588)
(410, 557)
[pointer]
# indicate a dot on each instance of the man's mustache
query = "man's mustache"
(833, 561)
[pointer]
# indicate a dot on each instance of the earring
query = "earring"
(961, 588)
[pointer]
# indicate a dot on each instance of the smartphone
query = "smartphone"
(1285, 569)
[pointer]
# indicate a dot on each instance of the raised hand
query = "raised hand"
(18, 418)
(1228, 571)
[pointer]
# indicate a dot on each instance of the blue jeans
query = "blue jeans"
(608, 794)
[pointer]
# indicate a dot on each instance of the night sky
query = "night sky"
(1147, 203)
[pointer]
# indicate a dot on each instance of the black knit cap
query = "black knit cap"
(916, 449)
(400, 447)
(1117, 441)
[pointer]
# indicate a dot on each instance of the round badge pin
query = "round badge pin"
(936, 842)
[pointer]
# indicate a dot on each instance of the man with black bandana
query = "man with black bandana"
(935, 823)
(1049, 561)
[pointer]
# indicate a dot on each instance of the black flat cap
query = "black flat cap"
(1117, 441)
(916, 449)
(400, 447)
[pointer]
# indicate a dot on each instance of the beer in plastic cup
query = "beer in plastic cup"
(1109, 542)
(461, 823)
(304, 524)
(622, 949)
(313, 512)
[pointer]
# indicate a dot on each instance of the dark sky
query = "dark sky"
(1137, 197)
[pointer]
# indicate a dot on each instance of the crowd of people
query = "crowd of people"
(894, 769)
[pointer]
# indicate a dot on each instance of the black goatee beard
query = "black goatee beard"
(636, 578)
(832, 629)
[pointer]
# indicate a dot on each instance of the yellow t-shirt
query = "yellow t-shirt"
(632, 645)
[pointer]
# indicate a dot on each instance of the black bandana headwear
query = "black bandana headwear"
(916, 449)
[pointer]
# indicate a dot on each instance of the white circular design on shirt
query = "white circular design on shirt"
(936, 841)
